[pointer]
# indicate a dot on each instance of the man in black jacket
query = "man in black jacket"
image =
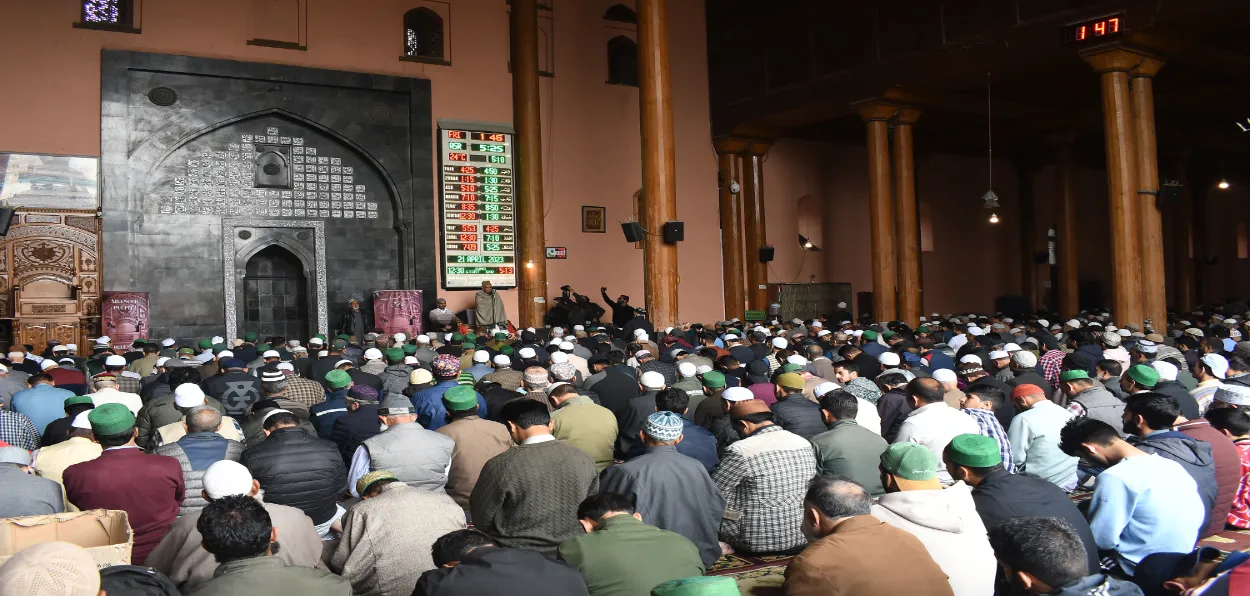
(470, 564)
(359, 423)
(299, 470)
(794, 412)
(622, 312)
(235, 388)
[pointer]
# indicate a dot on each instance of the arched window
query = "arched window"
(622, 61)
(621, 14)
(423, 33)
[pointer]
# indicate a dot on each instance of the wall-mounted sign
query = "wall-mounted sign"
(557, 252)
(477, 210)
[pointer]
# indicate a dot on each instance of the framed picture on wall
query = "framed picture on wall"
(49, 181)
(594, 219)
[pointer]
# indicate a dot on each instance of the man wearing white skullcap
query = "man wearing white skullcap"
(50, 568)
(181, 557)
(50, 461)
(481, 365)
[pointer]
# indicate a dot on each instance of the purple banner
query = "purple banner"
(398, 311)
(124, 317)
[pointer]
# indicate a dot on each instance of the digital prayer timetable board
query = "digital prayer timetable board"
(478, 206)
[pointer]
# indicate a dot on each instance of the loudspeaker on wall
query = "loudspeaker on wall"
(674, 231)
(766, 254)
(633, 231)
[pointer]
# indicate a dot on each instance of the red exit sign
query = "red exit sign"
(1094, 30)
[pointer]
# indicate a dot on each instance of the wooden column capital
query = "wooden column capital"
(907, 115)
(876, 111)
(1148, 67)
(740, 146)
(1119, 58)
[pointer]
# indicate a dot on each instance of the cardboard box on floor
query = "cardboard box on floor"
(104, 533)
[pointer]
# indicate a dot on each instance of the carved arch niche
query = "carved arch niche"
(50, 277)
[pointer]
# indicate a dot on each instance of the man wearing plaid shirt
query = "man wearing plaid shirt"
(764, 477)
(17, 430)
(298, 389)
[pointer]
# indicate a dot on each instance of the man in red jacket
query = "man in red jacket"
(1227, 469)
(149, 488)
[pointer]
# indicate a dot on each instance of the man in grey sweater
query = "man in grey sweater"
(25, 493)
(528, 497)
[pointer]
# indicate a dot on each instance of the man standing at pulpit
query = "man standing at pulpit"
(489, 306)
(355, 323)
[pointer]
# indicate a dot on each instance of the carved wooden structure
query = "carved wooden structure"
(50, 277)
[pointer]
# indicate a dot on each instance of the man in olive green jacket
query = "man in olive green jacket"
(620, 555)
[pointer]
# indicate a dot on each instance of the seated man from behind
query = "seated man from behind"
(620, 555)
(853, 553)
(1142, 503)
(240, 534)
(470, 564)
(200, 448)
(1148, 421)
(847, 449)
(1043, 555)
(300, 470)
(181, 556)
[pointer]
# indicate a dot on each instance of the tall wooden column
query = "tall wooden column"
(880, 209)
(1113, 66)
(658, 166)
(1028, 233)
(1068, 290)
(1182, 259)
(908, 228)
(731, 235)
(526, 110)
(1153, 273)
(756, 230)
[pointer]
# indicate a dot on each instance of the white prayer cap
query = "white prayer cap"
(103, 340)
(188, 395)
(1167, 371)
(286, 366)
(944, 375)
(643, 337)
(819, 324)
(1008, 320)
(555, 341)
(1123, 332)
(481, 356)
(217, 339)
(559, 330)
(167, 342)
(1043, 323)
(1073, 323)
(411, 360)
(686, 369)
(293, 343)
(859, 332)
(973, 358)
(639, 332)
(227, 478)
(1009, 348)
(841, 305)
(46, 364)
(976, 331)
(652, 380)
(80, 421)
(668, 330)
(737, 394)
(1237, 395)
(531, 330)
(579, 327)
(703, 368)
(225, 354)
(559, 357)
(796, 359)
(1218, 365)
(1024, 358)
(780, 343)
(323, 353)
(526, 353)
(370, 354)
(400, 337)
(889, 359)
(316, 341)
(502, 360)
(731, 337)
(567, 345)
(999, 354)
(423, 339)
(115, 360)
(161, 361)
(275, 354)
(823, 332)
(823, 388)
(299, 350)
(924, 320)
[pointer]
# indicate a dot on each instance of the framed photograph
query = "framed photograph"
(49, 181)
(594, 219)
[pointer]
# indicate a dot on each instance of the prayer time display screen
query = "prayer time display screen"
(478, 208)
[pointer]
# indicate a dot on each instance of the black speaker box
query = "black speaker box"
(674, 231)
(6, 219)
(633, 231)
(766, 254)
(1169, 194)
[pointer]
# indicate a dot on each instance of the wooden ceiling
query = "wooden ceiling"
(794, 69)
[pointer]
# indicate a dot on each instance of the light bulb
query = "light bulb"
(993, 218)
(529, 264)
(1223, 185)
(807, 245)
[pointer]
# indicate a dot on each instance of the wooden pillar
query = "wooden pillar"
(526, 114)
(1182, 240)
(756, 231)
(1028, 233)
(658, 162)
(1113, 66)
(1068, 290)
(908, 228)
(876, 118)
(1153, 273)
(731, 236)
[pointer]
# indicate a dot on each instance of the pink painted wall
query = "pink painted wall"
(592, 153)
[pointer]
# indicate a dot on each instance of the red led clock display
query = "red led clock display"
(1094, 30)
